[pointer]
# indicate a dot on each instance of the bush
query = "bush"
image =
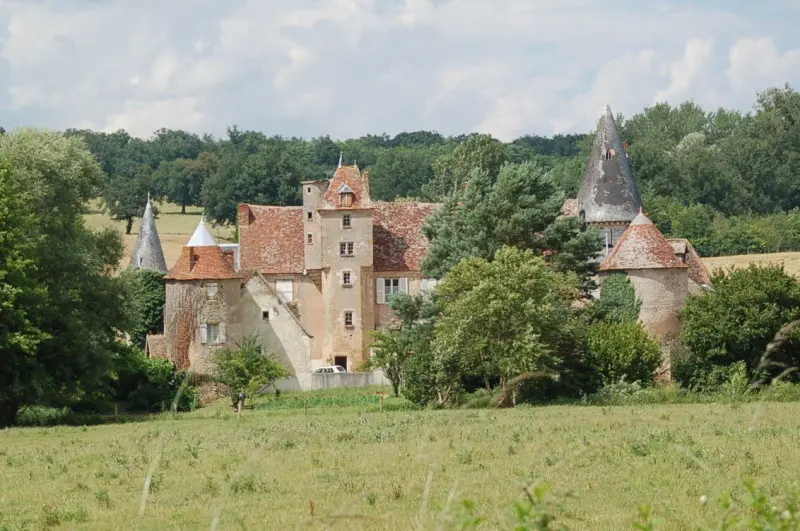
(158, 387)
(147, 296)
(736, 321)
(246, 368)
(618, 351)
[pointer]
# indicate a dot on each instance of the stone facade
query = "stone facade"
(311, 282)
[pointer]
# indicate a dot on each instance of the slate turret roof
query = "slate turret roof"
(608, 191)
(642, 246)
(147, 253)
(201, 237)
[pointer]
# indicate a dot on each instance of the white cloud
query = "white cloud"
(756, 63)
(691, 76)
(351, 67)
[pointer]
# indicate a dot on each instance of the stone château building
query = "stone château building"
(312, 281)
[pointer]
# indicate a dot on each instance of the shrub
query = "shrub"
(736, 322)
(146, 296)
(246, 368)
(619, 351)
(158, 387)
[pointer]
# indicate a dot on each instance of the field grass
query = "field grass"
(173, 227)
(362, 468)
(791, 261)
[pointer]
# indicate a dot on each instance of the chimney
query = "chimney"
(365, 180)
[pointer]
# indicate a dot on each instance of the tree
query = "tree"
(399, 172)
(146, 295)
(257, 170)
(67, 310)
(181, 180)
(622, 349)
(451, 171)
(521, 208)
(737, 320)
(504, 318)
(126, 191)
(246, 368)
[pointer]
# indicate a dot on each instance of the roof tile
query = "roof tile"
(203, 263)
(399, 242)
(271, 239)
(641, 246)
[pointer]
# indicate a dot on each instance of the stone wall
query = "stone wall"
(187, 309)
(316, 382)
(280, 332)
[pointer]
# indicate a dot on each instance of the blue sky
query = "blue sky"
(352, 67)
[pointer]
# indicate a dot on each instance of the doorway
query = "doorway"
(340, 360)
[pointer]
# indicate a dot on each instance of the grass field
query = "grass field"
(362, 468)
(173, 227)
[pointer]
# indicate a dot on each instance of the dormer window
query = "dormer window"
(346, 196)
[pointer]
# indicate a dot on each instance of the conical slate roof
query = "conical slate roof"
(201, 237)
(608, 191)
(147, 253)
(642, 246)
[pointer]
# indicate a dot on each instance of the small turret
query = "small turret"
(202, 236)
(147, 253)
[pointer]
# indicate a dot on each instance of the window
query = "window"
(346, 221)
(308, 190)
(309, 216)
(348, 318)
(212, 333)
(211, 290)
(346, 199)
(345, 248)
(141, 260)
(310, 239)
(285, 289)
(389, 286)
(265, 315)
(346, 281)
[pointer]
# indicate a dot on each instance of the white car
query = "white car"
(331, 369)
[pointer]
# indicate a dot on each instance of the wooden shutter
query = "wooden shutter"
(403, 285)
(222, 336)
(203, 334)
(379, 292)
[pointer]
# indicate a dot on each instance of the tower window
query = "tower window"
(346, 199)
(346, 249)
(211, 290)
(346, 280)
(265, 315)
(308, 190)
(348, 318)
(346, 220)
(310, 238)
(310, 216)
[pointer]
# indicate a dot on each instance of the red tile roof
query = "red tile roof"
(348, 176)
(203, 263)
(399, 244)
(271, 239)
(641, 246)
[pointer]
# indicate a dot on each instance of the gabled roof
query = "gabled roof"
(641, 246)
(147, 252)
(202, 236)
(608, 191)
(698, 272)
(399, 244)
(271, 239)
(349, 179)
(206, 262)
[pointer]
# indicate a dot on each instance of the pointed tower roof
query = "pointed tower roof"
(608, 191)
(642, 246)
(347, 179)
(202, 236)
(147, 252)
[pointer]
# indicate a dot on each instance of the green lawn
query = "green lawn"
(362, 468)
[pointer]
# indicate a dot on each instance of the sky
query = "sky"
(346, 68)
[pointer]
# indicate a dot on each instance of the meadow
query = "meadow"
(341, 460)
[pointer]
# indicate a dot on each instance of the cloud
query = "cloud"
(352, 67)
